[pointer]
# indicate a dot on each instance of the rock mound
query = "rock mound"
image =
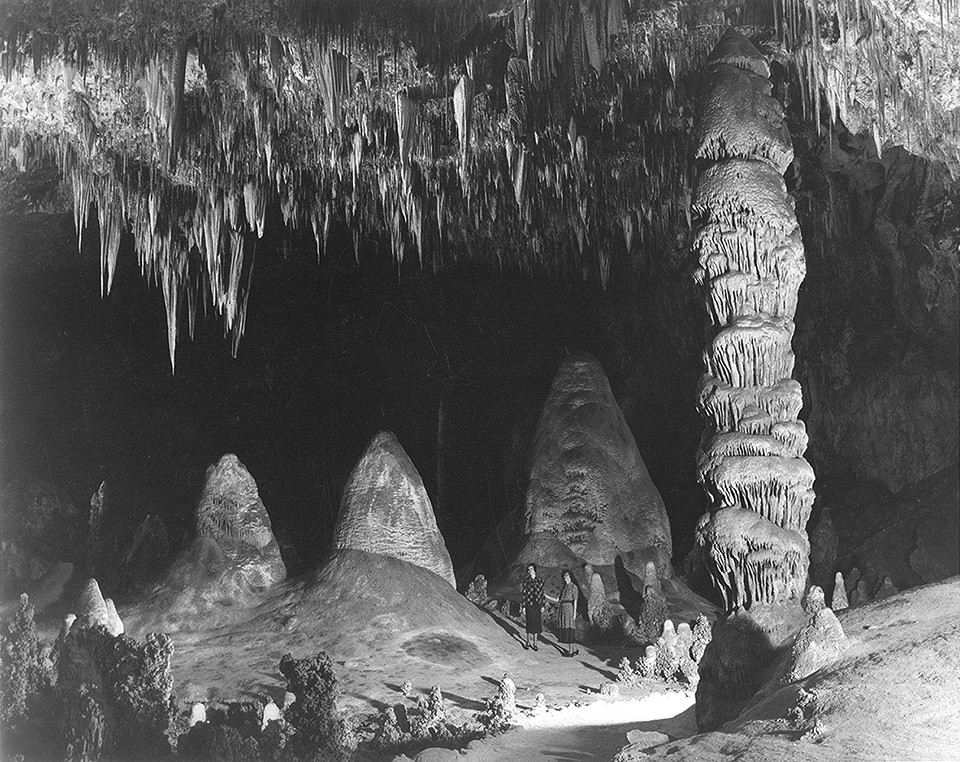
(588, 484)
(229, 566)
(890, 695)
(385, 510)
(820, 642)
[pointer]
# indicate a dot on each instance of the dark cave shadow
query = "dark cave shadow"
(507, 626)
(465, 703)
(491, 680)
(605, 673)
(588, 689)
(393, 687)
(375, 703)
(554, 643)
(630, 599)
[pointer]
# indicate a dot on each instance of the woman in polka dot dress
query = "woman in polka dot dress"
(532, 608)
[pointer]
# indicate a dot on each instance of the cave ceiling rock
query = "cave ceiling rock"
(385, 509)
(750, 460)
(533, 129)
(588, 484)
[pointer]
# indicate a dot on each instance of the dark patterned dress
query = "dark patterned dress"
(568, 611)
(533, 601)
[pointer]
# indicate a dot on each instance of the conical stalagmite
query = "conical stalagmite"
(231, 513)
(588, 484)
(750, 255)
(385, 509)
(91, 607)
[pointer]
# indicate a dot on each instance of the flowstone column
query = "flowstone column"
(751, 263)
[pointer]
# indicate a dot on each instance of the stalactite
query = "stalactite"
(463, 111)
(750, 257)
(305, 113)
(175, 122)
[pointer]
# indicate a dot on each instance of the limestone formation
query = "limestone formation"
(653, 613)
(750, 254)
(887, 588)
(91, 608)
(385, 509)
(230, 513)
(588, 484)
(230, 564)
(477, 590)
(814, 601)
(198, 713)
(148, 553)
(839, 602)
(271, 712)
(596, 594)
(818, 643)
(114, 622)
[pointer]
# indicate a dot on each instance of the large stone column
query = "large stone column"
(751, 263)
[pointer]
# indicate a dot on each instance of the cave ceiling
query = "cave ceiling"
(547, 135)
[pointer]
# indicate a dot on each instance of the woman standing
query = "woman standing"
(532, 608)
(568, 612)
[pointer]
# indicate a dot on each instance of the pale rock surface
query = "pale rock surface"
(114, 622)
(231, 513)
(386, 510)
(839, 602)
(438, 755)
(198, 713)
(227, 569)
(271, 712)
(641, 740)
(588, 484)
(820, 642)
(91, 607)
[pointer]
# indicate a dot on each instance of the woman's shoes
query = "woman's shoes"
(570, 654)
(535, 647)
(526, 647)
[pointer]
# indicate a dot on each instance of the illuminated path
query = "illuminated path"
(594, 731)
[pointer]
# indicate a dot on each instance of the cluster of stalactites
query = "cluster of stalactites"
(750, 255)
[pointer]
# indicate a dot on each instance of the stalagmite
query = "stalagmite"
(91, 607)
(588, 485)
(114, 622)
(385, 509)
(750, 255)
(839, 601)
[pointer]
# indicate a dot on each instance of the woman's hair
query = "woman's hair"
(566, 573)
(530, 566)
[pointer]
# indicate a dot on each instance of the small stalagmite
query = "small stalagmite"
(839, 601)
(91, 607)
(114, 622)
(385, 509)
(588, 485)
